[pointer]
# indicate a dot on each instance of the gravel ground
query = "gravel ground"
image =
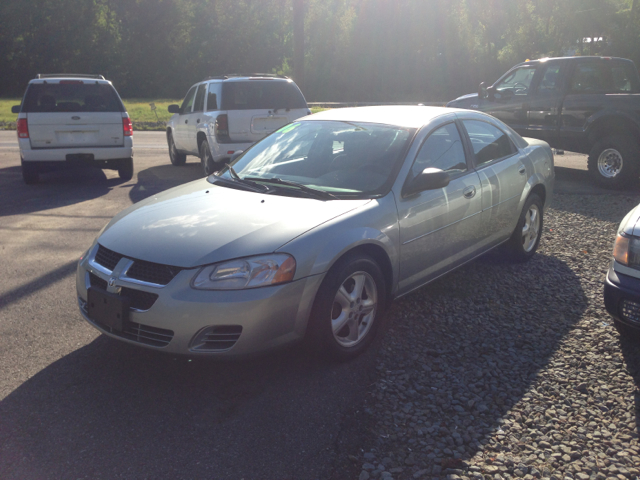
(500, 371)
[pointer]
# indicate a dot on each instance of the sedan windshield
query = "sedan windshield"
(313, 158)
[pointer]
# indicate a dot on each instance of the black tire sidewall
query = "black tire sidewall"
(320, 324)
(630, 151)
(176, 158)
(204, 153)
(125, 171)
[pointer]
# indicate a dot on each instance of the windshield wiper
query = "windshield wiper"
(311, 191)
(236, 181)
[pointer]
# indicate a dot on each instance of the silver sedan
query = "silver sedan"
(314, 230)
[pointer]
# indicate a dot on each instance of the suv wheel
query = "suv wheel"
(208, 165)
(125, 170)
(176, 157)
(614, 162)
(30, 173)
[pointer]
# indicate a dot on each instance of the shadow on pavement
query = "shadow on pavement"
(630, 346)
(111, 410)
(55, 189)
(576, 181)
(158, 179)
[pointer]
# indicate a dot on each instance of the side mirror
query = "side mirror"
(174, 108)
(429, 179)
(491, 93)
(16, 108)
(482, 91)
(235, 155)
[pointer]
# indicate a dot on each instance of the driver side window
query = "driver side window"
(517, 82)
(187, 104)
(442, 149)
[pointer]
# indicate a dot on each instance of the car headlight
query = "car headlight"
(242, 273)
(626, 251)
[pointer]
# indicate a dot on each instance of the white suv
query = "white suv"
(74, 119)
(223, 115)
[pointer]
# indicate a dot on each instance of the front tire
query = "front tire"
(30, 174)
(348, 308)
(526, 237)
(614, 162)
(208, 165)
(178, 159)
(125, 170)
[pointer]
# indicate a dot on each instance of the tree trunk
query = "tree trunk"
(298, 43)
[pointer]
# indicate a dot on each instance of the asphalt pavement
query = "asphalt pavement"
(76, 404)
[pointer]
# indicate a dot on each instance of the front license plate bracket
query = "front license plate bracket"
(107, 308)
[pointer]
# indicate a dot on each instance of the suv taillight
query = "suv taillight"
(127, 127)
(222, 129)
(23, 128)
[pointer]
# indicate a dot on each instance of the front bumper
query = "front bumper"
(254, 320)
(622, 298)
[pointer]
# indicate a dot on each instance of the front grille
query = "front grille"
(156, 337)
(152, 272)
(138, 299)
(631, 311)
(107, 258)
(220, 337)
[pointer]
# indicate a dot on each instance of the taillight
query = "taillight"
(222, 128)
(23, 128)
(127, 127)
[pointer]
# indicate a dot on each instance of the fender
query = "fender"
(609, 116)
(377, 225)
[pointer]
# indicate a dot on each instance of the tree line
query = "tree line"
(354, 50)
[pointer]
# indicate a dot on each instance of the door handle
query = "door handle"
(522, 170)
(198, 121)
(186, 121)
(469, 192)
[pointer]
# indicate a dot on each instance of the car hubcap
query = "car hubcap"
(610, 163)
(531, 228)
(354, 309)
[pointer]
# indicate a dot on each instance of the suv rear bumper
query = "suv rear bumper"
(220, 151)
(60, 154)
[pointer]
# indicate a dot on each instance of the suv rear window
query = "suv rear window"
(71, 97)
(261, 94)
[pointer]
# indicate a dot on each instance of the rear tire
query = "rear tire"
(125, 170)
(526, 237)
(208, 165)
(614, 162)
(30, 173)
(178, 159)
(348, 308)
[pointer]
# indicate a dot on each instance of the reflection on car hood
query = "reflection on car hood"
(199, 223)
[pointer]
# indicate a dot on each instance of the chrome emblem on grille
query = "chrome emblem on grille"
(112, 282)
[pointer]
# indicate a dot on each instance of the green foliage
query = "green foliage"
(355, 50)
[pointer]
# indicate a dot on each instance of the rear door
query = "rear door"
(193, 119)
(73, 114)
(257, 107)
(503, 174)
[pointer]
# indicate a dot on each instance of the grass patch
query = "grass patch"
(142, 116)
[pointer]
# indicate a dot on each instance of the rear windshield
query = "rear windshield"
(71, 97)
(261, 94)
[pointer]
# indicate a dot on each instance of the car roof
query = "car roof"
(234, 77)
(575, 59)
(408, 116)
(54, 77)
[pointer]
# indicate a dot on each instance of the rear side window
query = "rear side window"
(74, 96)
(489, 143)
(261, 94)
(604, 77)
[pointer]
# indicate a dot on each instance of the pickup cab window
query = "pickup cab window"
(550, 83)
(603, 77)
(517, 82)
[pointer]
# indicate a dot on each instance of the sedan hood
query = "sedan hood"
(200, 223)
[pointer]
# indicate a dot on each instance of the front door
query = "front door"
(439, 228)
(511, 97)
